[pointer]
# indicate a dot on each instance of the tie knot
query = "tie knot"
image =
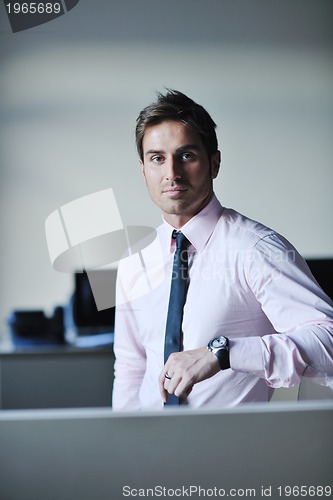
(181, 240)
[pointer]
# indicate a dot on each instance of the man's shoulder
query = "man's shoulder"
(236, 223)
(243, 234)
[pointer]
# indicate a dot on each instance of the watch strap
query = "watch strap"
(223, 357)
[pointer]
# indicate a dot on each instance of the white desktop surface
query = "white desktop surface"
(94, 453)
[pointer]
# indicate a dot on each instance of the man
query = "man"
(254, 318)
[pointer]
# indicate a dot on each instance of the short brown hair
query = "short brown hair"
(177, 107)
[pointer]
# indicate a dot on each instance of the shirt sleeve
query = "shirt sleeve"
(130, 356)
(300, 312)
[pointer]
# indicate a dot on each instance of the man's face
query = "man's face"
(177, 170)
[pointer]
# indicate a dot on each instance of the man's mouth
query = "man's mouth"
(174, 190)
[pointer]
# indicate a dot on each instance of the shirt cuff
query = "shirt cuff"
(246, 355)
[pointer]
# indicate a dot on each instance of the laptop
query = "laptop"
(261, 450)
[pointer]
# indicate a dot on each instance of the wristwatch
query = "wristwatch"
(220, 347)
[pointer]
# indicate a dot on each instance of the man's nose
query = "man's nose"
(172, 169)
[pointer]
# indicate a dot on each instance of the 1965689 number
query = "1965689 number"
(302, 491)
(33, 8)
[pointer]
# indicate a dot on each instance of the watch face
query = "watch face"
(218, 342)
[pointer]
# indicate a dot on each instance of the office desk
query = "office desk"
(56, 377)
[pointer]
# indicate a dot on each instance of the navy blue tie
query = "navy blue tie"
(173, 332)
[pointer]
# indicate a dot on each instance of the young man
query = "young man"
(254, 318)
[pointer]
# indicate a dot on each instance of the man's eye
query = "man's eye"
(186, 156)
(156, 159)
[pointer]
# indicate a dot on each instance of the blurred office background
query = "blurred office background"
(71, 89)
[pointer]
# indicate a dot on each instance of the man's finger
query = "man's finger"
(184, 388)
(161, 381)
(172, 384)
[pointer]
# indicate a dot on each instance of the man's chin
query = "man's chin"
(175, 208)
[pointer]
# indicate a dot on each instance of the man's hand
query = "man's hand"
(184, 369)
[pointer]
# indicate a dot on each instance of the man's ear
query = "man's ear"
(215, 162)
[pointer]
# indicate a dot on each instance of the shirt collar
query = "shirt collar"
(199, 229)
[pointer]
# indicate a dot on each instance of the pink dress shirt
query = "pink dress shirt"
(246, 282)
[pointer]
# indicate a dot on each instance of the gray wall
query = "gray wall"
(70, 91)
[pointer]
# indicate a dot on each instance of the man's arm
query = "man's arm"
(130, 356)
(302, 316)
(299, 310)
